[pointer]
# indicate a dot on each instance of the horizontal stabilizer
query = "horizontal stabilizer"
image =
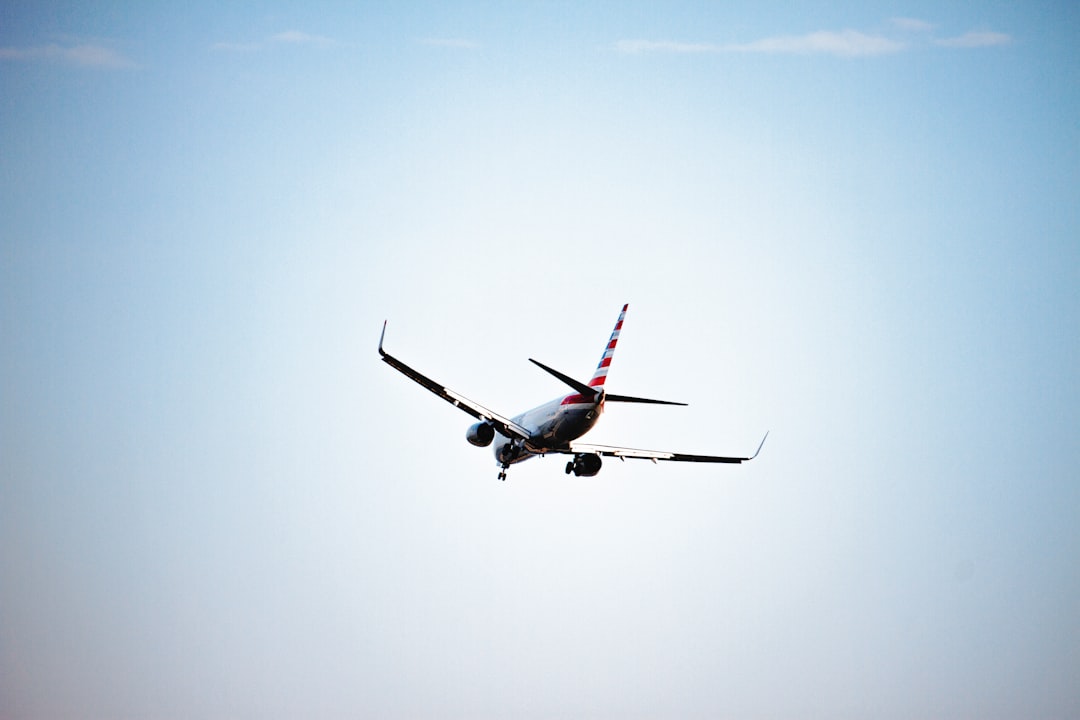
(576, 384)
(587, 391)
(628, 399)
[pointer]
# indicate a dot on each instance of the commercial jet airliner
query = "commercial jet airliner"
(554, 427)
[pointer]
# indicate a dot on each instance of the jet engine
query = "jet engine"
(481, 434)
(584, 465)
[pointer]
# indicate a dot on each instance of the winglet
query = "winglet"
(381, 351)
(760, 446)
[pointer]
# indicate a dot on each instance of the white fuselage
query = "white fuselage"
(551, 425)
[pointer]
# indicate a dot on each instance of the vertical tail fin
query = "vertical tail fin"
(600, 375)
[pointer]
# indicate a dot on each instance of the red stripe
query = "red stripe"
(597, 381)
(605, 362)
(611, 345)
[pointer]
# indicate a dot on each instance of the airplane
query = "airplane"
(555, 426)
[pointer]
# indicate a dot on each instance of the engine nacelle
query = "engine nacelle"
(584, 465)
(481, 434)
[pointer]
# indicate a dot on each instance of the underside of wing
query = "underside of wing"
(504, 425)
(654, 455)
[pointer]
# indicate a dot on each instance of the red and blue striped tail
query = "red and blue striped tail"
(600, 375)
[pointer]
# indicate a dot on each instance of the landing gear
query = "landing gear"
(569, 467)
(507, 454)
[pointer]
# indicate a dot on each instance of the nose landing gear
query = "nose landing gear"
(509, 453)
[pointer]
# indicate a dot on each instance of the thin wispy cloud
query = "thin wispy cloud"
(296, 37)
(976, 39)
(837, 43)
(82, 55)
(287, 37)
(846, 43)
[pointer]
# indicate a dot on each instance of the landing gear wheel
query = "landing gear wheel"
(569, 467)
(502, 476)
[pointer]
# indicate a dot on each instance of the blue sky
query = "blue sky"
(853, 224)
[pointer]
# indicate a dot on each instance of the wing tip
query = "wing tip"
(761, 445)
(381, 338)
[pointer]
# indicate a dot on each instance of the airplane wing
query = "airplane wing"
(507, 427)
(654, 455)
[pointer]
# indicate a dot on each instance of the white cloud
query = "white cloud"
(296, 37)
(846, 43)
(83, 55)
(976, 39)
(288, 37)
(842, 43)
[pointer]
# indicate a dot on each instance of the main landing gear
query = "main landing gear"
(502, 473)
